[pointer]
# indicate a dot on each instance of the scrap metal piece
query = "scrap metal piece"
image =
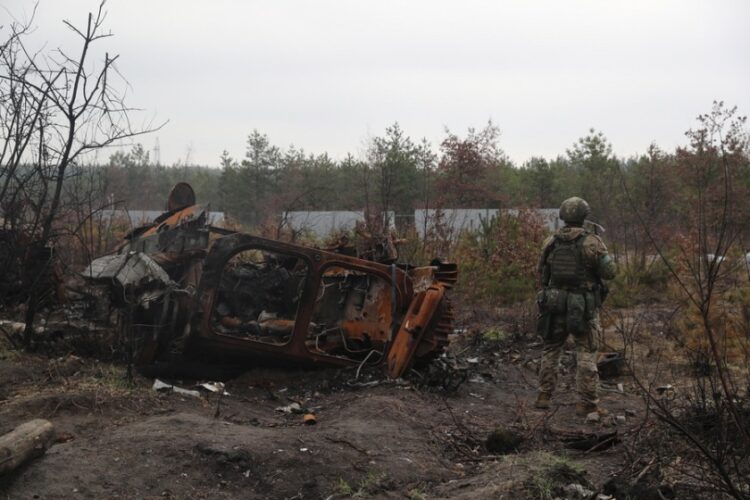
(217, 387)
(132, 269)
(181, 196)
(291, 408)
(160, 386)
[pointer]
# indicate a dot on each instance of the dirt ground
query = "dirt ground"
(372, 437)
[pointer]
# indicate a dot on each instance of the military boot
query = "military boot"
(583, 408)
(543, 400)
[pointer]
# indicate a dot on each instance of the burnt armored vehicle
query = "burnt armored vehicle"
(192, 291)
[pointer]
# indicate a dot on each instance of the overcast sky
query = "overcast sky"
(326, 75)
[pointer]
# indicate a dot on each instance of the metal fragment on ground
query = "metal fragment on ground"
(291, 408)
(164, 387)
(217, 387)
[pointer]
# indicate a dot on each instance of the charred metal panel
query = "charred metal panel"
(424, 310)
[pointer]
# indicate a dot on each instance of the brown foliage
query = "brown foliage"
(498, 264)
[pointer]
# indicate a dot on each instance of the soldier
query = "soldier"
(572, 266)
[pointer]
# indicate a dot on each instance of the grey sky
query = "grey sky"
(325, 75)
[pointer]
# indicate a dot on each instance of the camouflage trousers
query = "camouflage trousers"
(587, 345)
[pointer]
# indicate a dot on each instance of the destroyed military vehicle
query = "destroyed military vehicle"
(188, 290)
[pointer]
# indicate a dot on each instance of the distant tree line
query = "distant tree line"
(399, 174)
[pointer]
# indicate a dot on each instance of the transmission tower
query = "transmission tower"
(157, 152)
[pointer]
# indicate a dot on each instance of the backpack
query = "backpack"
(566, 264)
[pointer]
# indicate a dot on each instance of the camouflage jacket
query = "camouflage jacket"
(596, 258)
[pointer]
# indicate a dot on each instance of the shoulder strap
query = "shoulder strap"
(579, 239)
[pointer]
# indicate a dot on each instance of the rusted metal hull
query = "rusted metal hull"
(233, 296)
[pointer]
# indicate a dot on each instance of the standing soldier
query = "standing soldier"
(572, 266)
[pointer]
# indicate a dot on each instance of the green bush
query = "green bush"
(637, 284)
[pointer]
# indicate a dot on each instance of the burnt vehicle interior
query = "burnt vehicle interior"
(259, 295)
(352, 315)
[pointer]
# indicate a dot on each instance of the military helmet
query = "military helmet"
(574, 210)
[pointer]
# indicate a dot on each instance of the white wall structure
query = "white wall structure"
(458, 220)
(322, 223)
(551, 217)
(142, 217)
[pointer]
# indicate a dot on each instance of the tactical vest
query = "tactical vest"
(566, 263)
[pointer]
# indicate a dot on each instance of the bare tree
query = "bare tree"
(712, 416)
(55, 108)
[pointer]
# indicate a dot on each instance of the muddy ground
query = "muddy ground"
(372, 437)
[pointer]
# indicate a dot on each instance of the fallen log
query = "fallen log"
(26, 442)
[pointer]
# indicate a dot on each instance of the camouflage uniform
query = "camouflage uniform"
(598, 266)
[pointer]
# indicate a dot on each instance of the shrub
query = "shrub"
(498, 262)
(636, 283)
